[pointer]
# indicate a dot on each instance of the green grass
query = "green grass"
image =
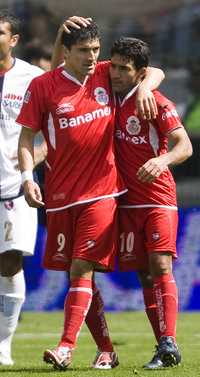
(192, 119)
(131, 335)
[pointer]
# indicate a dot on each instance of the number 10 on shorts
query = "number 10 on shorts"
(127, 242)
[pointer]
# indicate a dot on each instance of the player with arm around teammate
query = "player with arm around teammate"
(146, 104)
(75, 111)
(16, 215)
(94, 317)
(148, 211)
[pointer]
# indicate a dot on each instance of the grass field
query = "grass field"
(131, 335)
(192, 120)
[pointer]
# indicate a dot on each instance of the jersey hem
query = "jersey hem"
(87, 201)
(21, 193)
(174, 208)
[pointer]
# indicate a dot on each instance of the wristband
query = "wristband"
(27, 175)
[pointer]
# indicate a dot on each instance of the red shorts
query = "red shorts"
(86, 231)
(144, 231)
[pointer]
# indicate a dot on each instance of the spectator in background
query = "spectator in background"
(39, 24)
(37, 54)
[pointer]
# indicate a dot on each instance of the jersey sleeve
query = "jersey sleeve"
(32, 111)
(168, 118)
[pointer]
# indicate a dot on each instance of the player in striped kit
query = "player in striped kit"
(18, 224)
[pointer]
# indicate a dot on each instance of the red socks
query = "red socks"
(77, 303)
(166, 299)
(96, 322)
(151, 311)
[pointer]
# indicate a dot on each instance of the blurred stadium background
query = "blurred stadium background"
(173, 30)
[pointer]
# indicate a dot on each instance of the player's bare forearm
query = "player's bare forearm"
(32, 191)
(26, 149)
(153, 78)
(182, 147)
(145, 101)
(58, 50)
(40, 153)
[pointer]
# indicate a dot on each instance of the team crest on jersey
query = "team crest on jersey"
(65, 108)
(9, 205)
(133, 125)
(27, 96)
(101, 96)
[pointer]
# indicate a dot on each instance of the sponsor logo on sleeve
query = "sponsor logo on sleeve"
(27, 96)
(169, 114)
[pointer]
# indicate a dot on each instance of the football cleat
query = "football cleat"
(60, 358)
(168, 351)
(105, 360)
(155, 363)
(5, 359)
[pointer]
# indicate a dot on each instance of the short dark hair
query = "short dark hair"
(90, 32)
(132, 49)
(15, 24)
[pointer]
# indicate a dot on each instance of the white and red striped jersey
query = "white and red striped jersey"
(139, 140)
(13, 85)
(77, 120)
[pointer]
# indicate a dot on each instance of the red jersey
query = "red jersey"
(139, 140)
(77, 120)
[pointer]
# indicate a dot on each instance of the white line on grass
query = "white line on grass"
(83, 333)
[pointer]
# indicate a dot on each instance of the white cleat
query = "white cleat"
(5, 360)
(60, 358)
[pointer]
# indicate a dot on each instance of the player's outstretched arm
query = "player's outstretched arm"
(145, 101)
(32, 191)
(180, 151)
(75, 22)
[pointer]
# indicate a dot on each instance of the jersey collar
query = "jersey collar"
(129, 94)
(7, 70)
(72, 78)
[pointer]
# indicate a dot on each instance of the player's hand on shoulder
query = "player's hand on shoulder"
(152, 169)
(33, 194)
(146, 103)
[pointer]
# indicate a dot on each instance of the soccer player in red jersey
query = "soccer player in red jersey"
(75, 109)
(148, 211)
